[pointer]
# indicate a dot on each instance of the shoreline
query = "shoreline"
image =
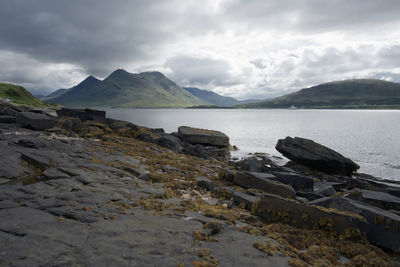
(96, 190)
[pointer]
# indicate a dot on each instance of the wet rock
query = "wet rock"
(203, 136)
(312, 154)
(263, 181)
(297, 181)
(170, 142)
(274, 208)
(7, 119)
(383, 228)
(324, 188)
(379, 199)
(35, 121)
(83, 114)
(205, 183)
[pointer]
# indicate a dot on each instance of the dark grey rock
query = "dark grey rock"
(312, 154)
(170, 142)
(205, 183)
(309, 195)
(324, 188)
(7, 119)
(383, 228)
(203, 136)
(297, 181)
(11, 166)
(54, 173)
(36, 158)
(83, 114)
(139, 172)
(246, 199)
(262, 181)
(274, 208)
(379, 199)
(35, 121)
(207, 152)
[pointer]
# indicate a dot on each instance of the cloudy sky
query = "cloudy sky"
(241, 48)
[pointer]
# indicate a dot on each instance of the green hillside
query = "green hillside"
(19, 95)
(128, 90)
(360, 93)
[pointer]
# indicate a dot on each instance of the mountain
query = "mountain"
(19, 95)
(128, 90)
(57, 93)
(358, 93)
(216, 99)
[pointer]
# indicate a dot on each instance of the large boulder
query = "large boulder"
(203, 136)
(263, 182)
(35, 121)
(314, 155)
(83, 114)
(375, 198)
(297, 181)
(207, 152)
(383, 228)
(171, 142)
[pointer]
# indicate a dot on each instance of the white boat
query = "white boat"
(293, 107)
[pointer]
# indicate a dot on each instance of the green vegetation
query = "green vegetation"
(348, 94)
(19, 95)
(128, 90)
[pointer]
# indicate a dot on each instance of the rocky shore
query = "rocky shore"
(80, 189)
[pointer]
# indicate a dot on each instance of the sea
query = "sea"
(371, 138)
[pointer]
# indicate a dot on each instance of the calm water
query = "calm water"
(369, 137)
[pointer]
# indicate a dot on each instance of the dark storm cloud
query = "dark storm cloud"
(244, 47)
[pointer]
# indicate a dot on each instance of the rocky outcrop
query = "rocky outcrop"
(202, 136)
(35, 121)
(83, 114)
(263, 182)
(383, 226)
(312, 154)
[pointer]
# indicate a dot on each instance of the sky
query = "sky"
(238, 48)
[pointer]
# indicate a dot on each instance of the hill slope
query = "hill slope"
(124, 89)
(359, 93)
(216, 99)
(19, 95)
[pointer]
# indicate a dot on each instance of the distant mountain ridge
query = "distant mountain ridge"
(19, 95)
(128, 90)
(216, 99)
(357, 93)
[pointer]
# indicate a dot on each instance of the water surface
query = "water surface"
(369, 137)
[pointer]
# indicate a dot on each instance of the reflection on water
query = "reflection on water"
(369, 137)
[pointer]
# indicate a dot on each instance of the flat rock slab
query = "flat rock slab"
(383, 228)
(274, 208)
(7, 119)
(262, 181)
(35, 121)
(375, 198)
(203, 136)
(297, 181)
(11, 166)
(314, 155)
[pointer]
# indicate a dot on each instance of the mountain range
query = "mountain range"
(357, 93)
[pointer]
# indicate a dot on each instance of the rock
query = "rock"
(203, 136)
(140, 172)
(35, 121)
(309, 195)
(324, 188)
(171, 142)
(207, 152)
(83, 114)
(263, 182)
(251, 164)
(383, 228)
(227, 175)
(35, 158)
(7, 119)
(378, 199)
(244, 199)
(205, 183)
(297, 181)
(11, 164)
(312, 154)
(274, 208)
(54, 173)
